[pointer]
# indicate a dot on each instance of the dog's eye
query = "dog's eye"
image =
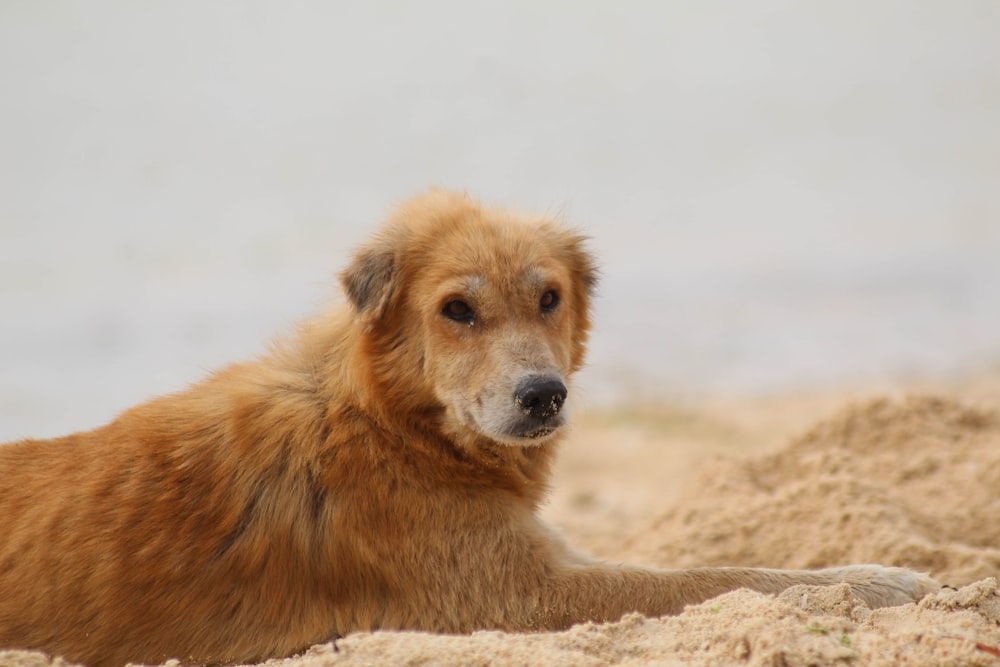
(459, 311)
(549, 301)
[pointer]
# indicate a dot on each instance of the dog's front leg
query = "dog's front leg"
(578, 593)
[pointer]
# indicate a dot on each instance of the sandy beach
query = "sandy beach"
(792, 481)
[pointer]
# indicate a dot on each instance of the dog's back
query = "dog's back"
(153, 537)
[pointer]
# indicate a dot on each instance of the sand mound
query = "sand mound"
(805, 626)
(915, 483)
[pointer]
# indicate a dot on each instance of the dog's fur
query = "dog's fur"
(382, 469)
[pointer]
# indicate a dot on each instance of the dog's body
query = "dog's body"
(381, 470)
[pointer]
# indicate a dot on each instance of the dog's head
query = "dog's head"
(480, 311)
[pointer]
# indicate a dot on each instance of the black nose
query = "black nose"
(540, 397)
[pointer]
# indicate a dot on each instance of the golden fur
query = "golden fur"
(382, 469)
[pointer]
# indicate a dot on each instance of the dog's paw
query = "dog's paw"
(881, 586)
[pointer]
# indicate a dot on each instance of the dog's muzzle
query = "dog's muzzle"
(540, 397)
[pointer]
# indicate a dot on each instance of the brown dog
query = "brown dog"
(380, 470)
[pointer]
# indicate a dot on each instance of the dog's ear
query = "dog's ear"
(585, 265)
(372, 278)
(584, 274)
(580, 261)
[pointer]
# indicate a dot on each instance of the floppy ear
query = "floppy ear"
(585, 265)
(584, 272)
(581, 262)
(371, 279)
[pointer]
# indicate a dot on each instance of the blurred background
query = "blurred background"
(784, 195)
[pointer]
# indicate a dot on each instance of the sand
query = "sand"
(903, 481)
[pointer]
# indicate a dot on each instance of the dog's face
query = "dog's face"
(480, 311)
